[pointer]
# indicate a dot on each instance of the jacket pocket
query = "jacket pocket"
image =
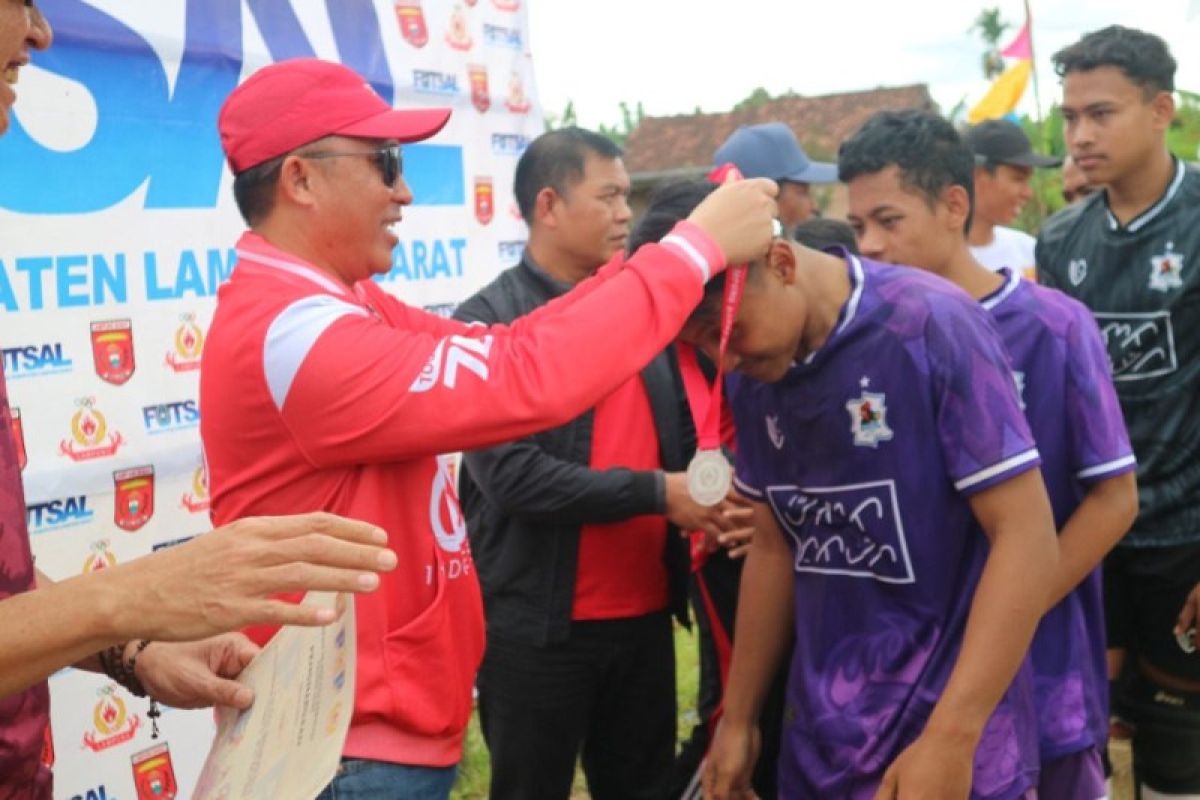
(431, 664)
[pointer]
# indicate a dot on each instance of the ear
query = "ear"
(781, 261)
(958, 206)
(297, 179)
(545, 207)
(1163, 106)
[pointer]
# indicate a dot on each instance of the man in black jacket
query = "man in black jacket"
(576, 531)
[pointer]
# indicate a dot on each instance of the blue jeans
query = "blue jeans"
(359, 779)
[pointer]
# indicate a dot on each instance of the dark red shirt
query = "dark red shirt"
(23, 716)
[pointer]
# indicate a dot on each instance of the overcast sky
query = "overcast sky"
(675, 55)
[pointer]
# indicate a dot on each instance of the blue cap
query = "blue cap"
(771, 151)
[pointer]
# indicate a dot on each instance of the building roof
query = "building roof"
(686, 143)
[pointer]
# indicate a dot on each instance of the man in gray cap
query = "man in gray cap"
(1004, 163)
(770, 150)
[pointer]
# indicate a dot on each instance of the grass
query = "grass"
(473, 772)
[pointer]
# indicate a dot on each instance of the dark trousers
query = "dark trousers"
(607, 693)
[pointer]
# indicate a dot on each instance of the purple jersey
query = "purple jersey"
(866, 454)
(1062, 369)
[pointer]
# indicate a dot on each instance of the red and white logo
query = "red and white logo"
(484, 201)
(517, 102)
(189, 345)
(89, 434)
(134, 502)
(154, 774)
(412, 22)
(112, 350)
(113, 724)
(445, 513)
(457, 36)
(450, 355)
(100, 559)
(197, 499)
(481, 96)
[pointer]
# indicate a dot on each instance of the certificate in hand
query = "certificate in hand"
(289, 742)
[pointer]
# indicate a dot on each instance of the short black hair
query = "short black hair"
(1143, 57)
(670, 203)
(254, 189)
(555, 159)
(928, 152)
(820, 233)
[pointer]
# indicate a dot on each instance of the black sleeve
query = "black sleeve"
(522, 480)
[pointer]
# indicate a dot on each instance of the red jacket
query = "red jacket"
(315, 396)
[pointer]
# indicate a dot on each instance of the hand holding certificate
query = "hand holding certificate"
(289, 742)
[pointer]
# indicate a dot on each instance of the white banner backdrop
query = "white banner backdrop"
(118, 225)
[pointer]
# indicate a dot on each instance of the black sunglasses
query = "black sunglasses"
(386, 159)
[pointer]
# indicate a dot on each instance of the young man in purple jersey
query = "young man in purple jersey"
(910, 184)
(903, 533)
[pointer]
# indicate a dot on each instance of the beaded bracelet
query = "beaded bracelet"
(112, 661)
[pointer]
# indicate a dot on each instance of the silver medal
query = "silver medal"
(709, 477)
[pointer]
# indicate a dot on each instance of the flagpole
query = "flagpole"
(1037, 104)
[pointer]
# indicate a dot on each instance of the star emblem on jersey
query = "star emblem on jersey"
(1166, 270)
(1077, 270)
(773, 432)
(868, 419)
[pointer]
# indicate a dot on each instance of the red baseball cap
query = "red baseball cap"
(294, 102)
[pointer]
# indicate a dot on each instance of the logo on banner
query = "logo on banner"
(196, 500)
(412, 22)
(35, 360)
(113, 724)
(510, 252)
(134, 503)
(516, 101)
(63, 512)
(509, 144)
(98, 793)
(1166, 270)
(499, 36)
(430, 82)
(481, 98)
(48, 747)
(483, 200)
(507, 5)
(100, 559)
(154, 774)
(189, 345)
(112, 350)
(169, 417)
(457, 36)
(18, 432)
(89, 434)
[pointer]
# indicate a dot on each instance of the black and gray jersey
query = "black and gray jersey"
(1142, 282)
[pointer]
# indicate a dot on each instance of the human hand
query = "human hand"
(688, 515)
(729, 764)
(931, 768)
(740, 514)
(1189, 618)
(227, 579)
(740, 218)
(196, 674)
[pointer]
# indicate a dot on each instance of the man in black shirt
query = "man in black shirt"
(1131, 253)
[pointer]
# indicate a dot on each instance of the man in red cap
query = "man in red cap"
(322, 392)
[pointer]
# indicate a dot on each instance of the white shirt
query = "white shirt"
(1009, 248)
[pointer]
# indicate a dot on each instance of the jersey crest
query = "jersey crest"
(868, 417)
(1077, 270)
(1166, 270)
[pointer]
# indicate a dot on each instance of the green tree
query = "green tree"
(990, 28)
